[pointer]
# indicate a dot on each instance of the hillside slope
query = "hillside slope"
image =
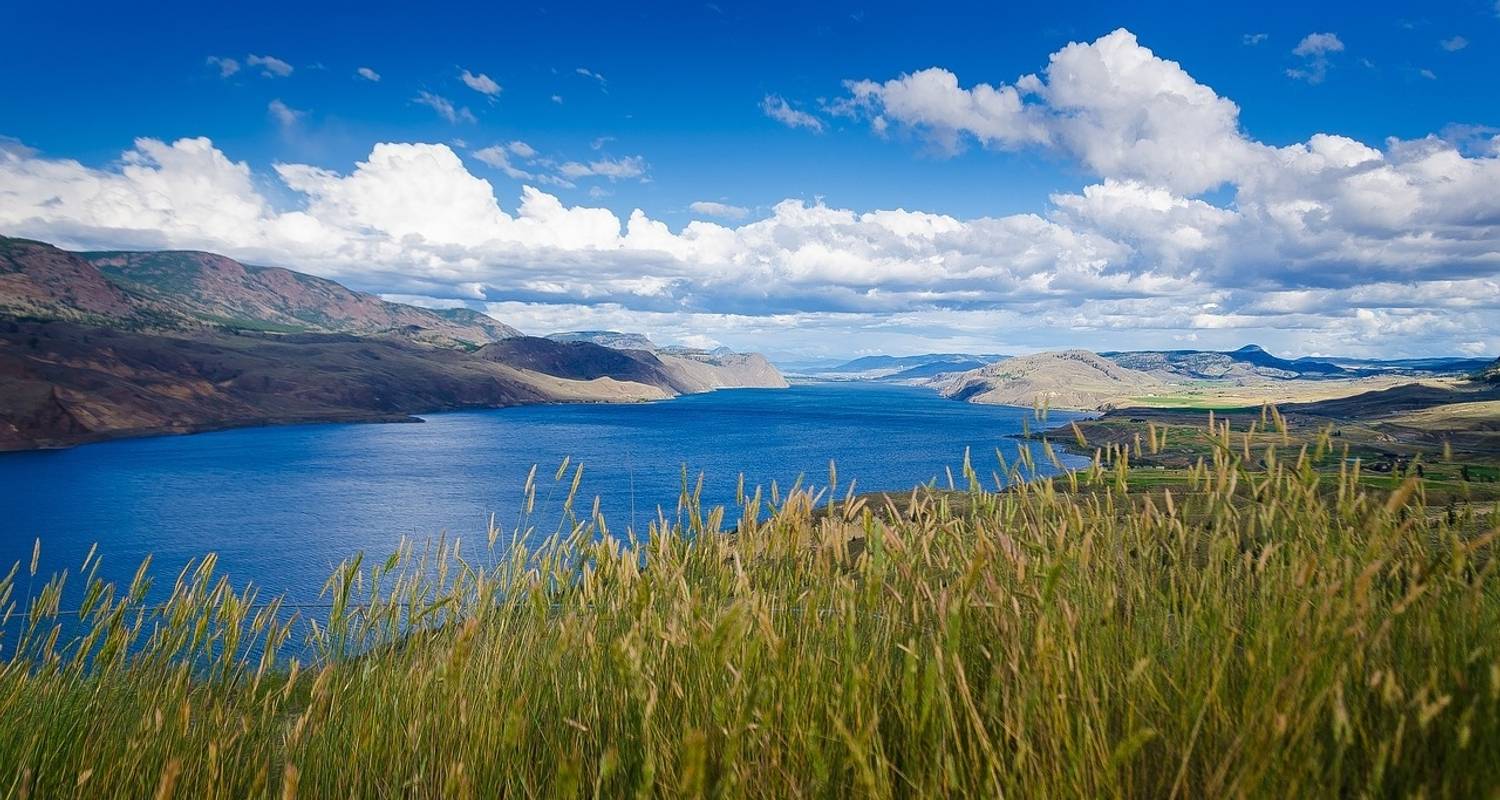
(224, 292)
(1070, 379)
(64, 384)
(686, 369)
(118, 344)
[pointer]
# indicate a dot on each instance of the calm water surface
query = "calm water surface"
(282, 506)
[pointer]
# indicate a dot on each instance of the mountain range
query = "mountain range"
(97, 345)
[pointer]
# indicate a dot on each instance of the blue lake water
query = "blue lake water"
(282, 506)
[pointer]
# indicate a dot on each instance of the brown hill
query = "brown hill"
(1071, 379)
(63, 384)
(226, 293)
(38, 280)
(97, 345)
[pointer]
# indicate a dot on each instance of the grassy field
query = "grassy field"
(1251, 627)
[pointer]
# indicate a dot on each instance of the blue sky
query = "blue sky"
(657, 109)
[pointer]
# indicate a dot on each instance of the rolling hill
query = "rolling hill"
(1070, 379)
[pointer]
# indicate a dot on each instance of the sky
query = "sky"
(807, 180)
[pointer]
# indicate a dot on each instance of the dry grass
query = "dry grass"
(1258, 635)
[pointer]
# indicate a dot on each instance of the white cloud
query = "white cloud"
(481, 83)
(226, 66)
(1112, 104)
(1253, 39)
(557, 98)
(498, 157)
(611, 168)
(779, 109)
(712, 208)
(444, 107)
(1428, 74)
(1315, 49)
(588, 73)
(1330, 245)
(270, 66)
(1454, 44)
(1317, 44)
(285, 115)
(368, 74)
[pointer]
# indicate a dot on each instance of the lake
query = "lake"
(282, 506)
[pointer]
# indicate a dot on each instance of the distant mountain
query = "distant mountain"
(1070, 379)
(1252, 362)
(1438, 365)
(1248, 362)
(900, 368)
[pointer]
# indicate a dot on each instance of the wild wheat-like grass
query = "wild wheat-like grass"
(1275, 631)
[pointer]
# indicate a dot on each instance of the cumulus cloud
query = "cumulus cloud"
(444, 107)
(711, 208)
(1253, 39)
(270, 66)
(1454, 44)
(285, 115)
(1327, 245)
(226, 66)
(368, 74)
(1112, 104)
(779, 109)
(481, 83)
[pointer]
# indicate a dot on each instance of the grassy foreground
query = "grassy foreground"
(1275, 632)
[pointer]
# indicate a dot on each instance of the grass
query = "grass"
(1266, 631)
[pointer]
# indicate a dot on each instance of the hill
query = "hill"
(1070, 379)
(901, 368)
(223, 292)
(107, 344)
(685, 369)
(63, 384)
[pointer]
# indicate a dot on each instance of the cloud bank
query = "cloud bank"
(1328, 245)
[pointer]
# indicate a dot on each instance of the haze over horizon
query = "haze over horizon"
(809, 183)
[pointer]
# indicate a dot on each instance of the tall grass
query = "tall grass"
(1257, 632)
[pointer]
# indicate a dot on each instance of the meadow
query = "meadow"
(1261, 627)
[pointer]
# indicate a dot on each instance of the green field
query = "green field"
(1215, 631)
